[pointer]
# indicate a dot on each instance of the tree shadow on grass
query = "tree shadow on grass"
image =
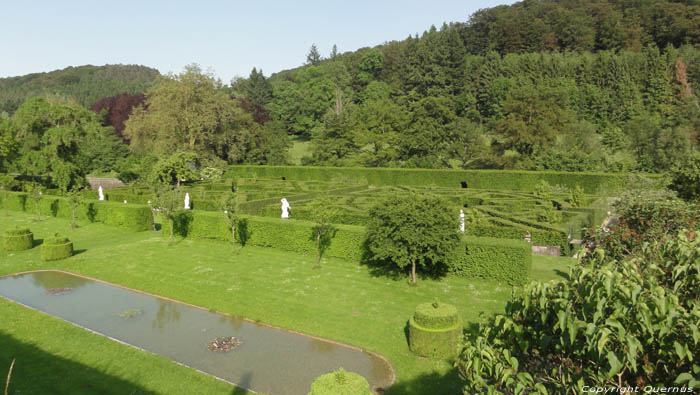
(37, 243)
(78, 252)
(428, 383)
(37, 371)
(563, 275)
(383, 268)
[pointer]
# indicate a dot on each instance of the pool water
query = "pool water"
(269, 360)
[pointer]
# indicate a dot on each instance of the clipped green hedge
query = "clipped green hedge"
(592, 183)
(429, 316)
(284, 234)
(340, 383)
(500, 259)
(130, 216)
(18, 239)
(55, 248)
(435, 331)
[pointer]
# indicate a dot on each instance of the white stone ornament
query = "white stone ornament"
(125, 202)
(285, 208)
(187, 201)
(461, 221)
(101, 193)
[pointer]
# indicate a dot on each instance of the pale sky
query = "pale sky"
(228, 37)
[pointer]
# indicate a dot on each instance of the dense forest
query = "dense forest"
(84, 84)
(540, 85)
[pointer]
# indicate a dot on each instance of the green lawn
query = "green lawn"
(342, 301)
(298, 150)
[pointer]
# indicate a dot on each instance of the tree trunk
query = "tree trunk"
(413, 272)
(233, 236)
(72, 224)
(318, 249)
(171, 222)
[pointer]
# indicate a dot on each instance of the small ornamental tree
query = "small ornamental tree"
(577, 197)
(37, 194)
(74, 197)
(229, 208)
(412, 231)
(322, 213)
(7, 182)
(168, 202)
(175, 168)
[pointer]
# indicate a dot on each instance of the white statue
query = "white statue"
(285, 208)
(461, 221)
(187, 201)
(101, 193)
(124, 201)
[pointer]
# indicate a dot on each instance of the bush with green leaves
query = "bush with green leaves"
(18, 239)
(435, 330)
(340, 383)
(631, 322)
(685, 177)
(549, 215)
(55, 248)
(407, 232)
(542, 190)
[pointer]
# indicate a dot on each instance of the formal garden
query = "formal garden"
(342, 267)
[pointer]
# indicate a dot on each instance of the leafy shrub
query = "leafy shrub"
(629, 323)
(435, 331)
(18, 239)
(542, 190)
(685, 177)
(55, 248)
(340, 383)
(549, 215)
(577, 197)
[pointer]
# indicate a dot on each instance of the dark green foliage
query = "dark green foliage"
(685, 178)
(435, 331)
(593, 183)
(407, 232)
(504, 260)
(173, 169)
(340, 383)
(632, 322)
(55, 248)
(85, 84)
(18, 240)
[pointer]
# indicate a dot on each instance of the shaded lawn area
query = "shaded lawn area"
(341, 301)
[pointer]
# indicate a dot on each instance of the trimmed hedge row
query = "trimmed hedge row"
(18, 240)
(501, 259)
(55, 248)
(130, 216)
(592, 183)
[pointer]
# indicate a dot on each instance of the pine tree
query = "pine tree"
(313, 57)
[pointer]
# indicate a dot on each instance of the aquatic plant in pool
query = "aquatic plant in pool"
(224, 344)
(131, 313)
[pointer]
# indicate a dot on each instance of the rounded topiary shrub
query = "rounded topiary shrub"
(18, 240)
(56, 248)
(435, 331)
(340, 383)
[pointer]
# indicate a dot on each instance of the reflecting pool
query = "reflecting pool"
(268, 360)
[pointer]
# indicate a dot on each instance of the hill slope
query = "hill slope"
(84, 84)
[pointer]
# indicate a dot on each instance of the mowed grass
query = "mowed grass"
(299, 149)
(342, 301)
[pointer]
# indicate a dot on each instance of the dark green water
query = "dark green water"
(269, 360)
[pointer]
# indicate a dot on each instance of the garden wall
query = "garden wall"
(592, 183)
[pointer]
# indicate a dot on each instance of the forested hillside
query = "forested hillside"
(607, 86)
(85, 84)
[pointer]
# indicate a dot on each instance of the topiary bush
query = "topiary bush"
(435, 331)
(340, 383)
(18, 240)
(55, 248)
